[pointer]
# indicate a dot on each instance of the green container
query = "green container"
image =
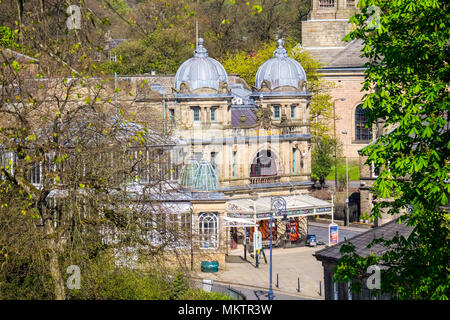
(210, 266)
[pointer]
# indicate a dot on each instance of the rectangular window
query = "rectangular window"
(335, 291)
(276, 112)
(350, 3)
(198, 156)
(196, 112)
(293, 160)
(375, 171)
(234, 165)
(293, 112)
(213, 114)
(172, 115)
(186, 227)
(214, 162)
(349, 292)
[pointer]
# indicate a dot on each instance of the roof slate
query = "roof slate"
(360, 241)
(237, 113)
(336, 57)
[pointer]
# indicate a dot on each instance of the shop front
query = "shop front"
(289, 227)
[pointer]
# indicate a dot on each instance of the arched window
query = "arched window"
(362, 133)
(263, 165)
(208, 224)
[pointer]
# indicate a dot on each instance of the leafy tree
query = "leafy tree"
(7, 38)
(164, 50)
(66, 162)
(322, 158)
(408, 66)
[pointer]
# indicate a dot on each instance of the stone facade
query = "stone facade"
(316, 33)
(342, 64)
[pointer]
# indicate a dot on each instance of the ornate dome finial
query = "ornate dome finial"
(201, 51)
(279, 71)
(280, 42)
(280, 52)
(200, 71)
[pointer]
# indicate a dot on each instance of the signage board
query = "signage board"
(333, 234)
(294, 231)
(257, 241)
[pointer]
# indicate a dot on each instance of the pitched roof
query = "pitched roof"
(350, 56)
(247, 112)
(360, 241)
(340, 57)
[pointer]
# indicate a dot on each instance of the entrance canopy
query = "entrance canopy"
(296, 206)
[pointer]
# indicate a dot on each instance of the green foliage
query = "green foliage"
(102, 279)
(197, 294)
(353, 172)
(7, 38)
(408, 65)
(119, 6)
(180, 285)
(322, 158)
(164, 50)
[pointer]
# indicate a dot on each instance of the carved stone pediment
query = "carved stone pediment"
(184, 88)
(205, 90)
(223, 87)
(285, 89)
(302, 85)
(264, 116)
(265, 86)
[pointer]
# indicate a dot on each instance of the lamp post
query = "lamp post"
(335, 144)
(279, 204)
(254, 199)
(335, 141)
(346, 199)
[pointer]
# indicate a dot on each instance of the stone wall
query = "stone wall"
(320, 34)
(348, 86)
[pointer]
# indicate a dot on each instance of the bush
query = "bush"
(105, 281)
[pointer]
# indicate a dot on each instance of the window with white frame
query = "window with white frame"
(196, 114)
(208, 230)
(276, 112)
(172, 115)
(293, 112)
(294, 154)
(374, 171)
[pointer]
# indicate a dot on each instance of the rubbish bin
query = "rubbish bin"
(311, 240)
(210, 266)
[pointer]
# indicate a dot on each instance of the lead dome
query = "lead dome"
(201, 71)
(280, 70)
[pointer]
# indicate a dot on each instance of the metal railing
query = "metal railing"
(326, 4)
(261, 180)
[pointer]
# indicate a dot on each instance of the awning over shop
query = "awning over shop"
(296, 206)
(238, 222)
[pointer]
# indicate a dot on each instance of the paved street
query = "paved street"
(290, 264)
(321, 232)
